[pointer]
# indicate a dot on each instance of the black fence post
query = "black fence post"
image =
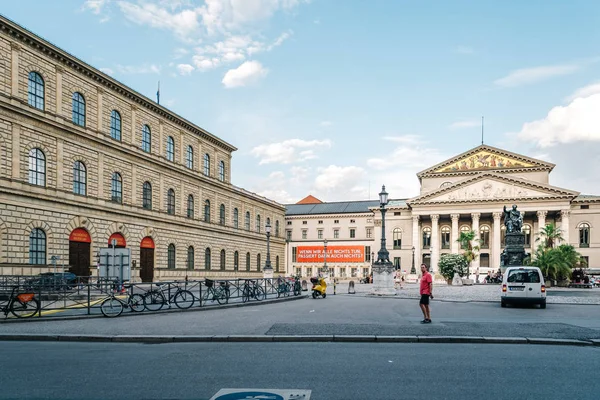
(200, 289)
(89, 295)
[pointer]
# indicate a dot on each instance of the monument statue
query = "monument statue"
(513, 220)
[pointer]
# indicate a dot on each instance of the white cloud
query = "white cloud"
(585, 91)
(577, 121)
(464, 50)
(289, 151)
(527, 76)
(336, 183)
(107, 71)
(95, 6)
(180, 53)
(138, 69)
(469, 123)
(406, 139)
(185, 69)
(246, 74)
(325, 123)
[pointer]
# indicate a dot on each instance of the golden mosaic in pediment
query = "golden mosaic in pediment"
(484, 160)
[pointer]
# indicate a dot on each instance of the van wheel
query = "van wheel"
(502, 304)
(543, 305)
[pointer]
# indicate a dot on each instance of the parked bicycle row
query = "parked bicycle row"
(112, 298)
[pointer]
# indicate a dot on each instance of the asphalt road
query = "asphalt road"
(41, 370)
(343, 315)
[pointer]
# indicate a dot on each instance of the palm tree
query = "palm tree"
(549, 235)
(571, 256)
(466, 240)
(551, 262)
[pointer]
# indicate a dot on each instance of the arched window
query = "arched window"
(37, 167)
(222, 214)
(584, 235)
(222, 171)
(222, 260)
(206, 164)
(247, 221)
(445, 184)
(35, 90)
(115, 125)
(527, 232)
(78, 107)
(37, 247)
(190, 206)
(277, 263)
(397, 238)
(146, 139)
(207, 259)
(147, 196)
(171, 202)
(207, 211)
(426, 237)
(258, 262)
(464, 229)
(236, 222)
(170, 148)
(236, 260)
(171, 256)
(445, 237)
(189, 157)
(258, 223)
(116, 188)
(484, 237)
(79, 178)
(190, 258)
(248, 261)
(277, 228)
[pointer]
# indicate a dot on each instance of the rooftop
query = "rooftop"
(342, 207)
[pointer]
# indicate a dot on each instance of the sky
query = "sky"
(335, 98)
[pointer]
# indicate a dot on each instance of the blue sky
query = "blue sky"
(335, 98)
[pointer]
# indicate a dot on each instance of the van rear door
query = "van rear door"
(533, 284)
(515, 282)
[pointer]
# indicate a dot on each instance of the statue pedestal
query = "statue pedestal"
(383, 279)
(514, 250)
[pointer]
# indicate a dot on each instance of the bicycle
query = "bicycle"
(255, 291)
(283, 288)
(221, 293)
(21, 305)
(297, 286)
(113, 306)
(154, 300)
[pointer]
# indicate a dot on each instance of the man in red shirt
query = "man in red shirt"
(426, 291)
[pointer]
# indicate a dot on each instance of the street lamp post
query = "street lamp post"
(268, 273)
(413, 270)
(383, 269)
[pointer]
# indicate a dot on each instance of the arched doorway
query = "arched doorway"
(79, 252)
(147, 259)
(119, 238)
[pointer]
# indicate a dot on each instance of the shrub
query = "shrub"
(451, 263)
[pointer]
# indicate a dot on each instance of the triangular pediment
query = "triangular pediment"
(486, 158)
(489, 186)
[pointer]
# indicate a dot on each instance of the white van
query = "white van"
(523, 285)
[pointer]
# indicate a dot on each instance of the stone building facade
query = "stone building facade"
(469, 192)
(85, 160)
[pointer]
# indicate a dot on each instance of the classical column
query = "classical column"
(475, 228)
(416, 242)
(564, 225)
(496, 245)
(161, 194)
(435, 243)
(541, 220)
(100, 109)
(15, 49)
(182, 151)
(59, 81)
(454, 235)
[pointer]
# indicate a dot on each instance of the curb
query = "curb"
(167, 311)
(297, 338)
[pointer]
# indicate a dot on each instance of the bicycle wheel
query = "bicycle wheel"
(136, 302)
(246, 294)
(154, 300)
(259, 293)
(24, 309)
(184, 299)
(297, 289)
(111, 307)
(222, 296)
(280, 291)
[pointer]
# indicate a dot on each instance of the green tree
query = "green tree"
(451, 263)
(556, 263)
(549, 236)
(466, 240)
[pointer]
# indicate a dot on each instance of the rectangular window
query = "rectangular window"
(397, 213)
(289, 222)
(288, 235)
(369, 220)
(320, 222)
(320, 234)
(352, 233)
(336, 233)
(336, 221)
(304, 233)
(586, 261)
(352, 221)
(368, 253)
(369, 233)
(585, 207)
(304, 222)
(396, 262)
(294, 254)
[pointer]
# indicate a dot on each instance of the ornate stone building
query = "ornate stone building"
(468, 192)
(85, 160)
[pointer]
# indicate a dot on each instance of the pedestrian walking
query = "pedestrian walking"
(426, 292)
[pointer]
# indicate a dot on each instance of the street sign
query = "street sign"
(261, 394)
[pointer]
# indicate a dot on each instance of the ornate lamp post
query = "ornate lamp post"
(268, 273)
(413, 270)
(383, 269)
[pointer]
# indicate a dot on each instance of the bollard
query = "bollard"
(304, 286)
(334, 285)
(351, 288)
